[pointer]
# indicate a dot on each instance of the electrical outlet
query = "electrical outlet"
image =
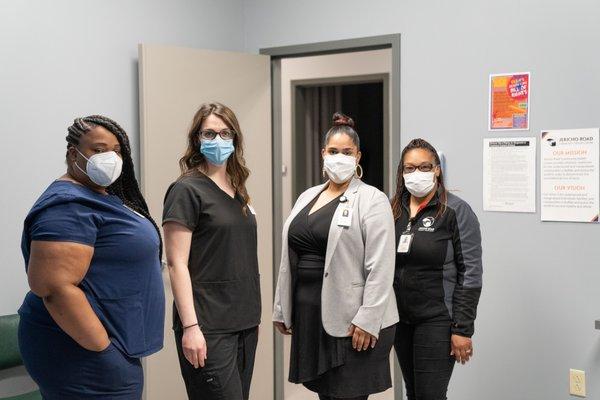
(577, 382)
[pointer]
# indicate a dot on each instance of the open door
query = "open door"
(173, 83)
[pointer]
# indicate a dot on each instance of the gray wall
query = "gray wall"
(61, 59)
(541, 283)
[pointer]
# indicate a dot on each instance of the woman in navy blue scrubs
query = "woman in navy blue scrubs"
(92, 255)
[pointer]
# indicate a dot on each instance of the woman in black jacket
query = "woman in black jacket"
(438, 274)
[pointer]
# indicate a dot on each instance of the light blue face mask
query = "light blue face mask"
(217, 150)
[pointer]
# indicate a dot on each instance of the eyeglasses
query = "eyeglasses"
(409, 169)
(209, 134)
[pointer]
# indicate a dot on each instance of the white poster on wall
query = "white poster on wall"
(569, 175)
(509, 174)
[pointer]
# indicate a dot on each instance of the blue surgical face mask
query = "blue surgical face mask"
(217, 150)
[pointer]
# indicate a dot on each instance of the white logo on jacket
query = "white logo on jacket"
(427, 224)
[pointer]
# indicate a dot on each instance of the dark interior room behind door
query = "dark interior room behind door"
(314, 108)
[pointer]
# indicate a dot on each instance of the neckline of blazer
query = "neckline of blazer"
(335, 230)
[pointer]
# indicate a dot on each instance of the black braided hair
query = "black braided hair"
(126, 187)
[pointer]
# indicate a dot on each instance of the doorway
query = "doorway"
(367, 68)
(362, 99)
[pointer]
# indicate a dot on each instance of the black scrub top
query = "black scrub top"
(223, 261)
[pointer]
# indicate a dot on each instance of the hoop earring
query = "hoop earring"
(356, 172)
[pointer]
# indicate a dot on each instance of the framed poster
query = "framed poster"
(570, 187)
(509, 101)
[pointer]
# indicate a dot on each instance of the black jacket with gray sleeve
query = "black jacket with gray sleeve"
(440, 278)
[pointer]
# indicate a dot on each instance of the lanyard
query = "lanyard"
(419, 209)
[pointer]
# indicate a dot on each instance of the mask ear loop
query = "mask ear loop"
(77, 165)
(82, 155)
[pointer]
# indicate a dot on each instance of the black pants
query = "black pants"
(424, 354)
(227, 371)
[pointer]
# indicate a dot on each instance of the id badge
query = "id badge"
(345, 218)
(405, 242)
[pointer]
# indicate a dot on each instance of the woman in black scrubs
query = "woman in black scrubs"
(211, 247)
(337, 269)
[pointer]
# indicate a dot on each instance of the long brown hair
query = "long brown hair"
(400, 188)
(193, 162)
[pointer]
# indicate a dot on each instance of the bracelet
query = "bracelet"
(190, 326)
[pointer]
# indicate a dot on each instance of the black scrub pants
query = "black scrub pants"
(227, 372)
(423, 351)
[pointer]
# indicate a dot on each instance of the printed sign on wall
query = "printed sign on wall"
(569, 169)
(509, 101)
(509, 174)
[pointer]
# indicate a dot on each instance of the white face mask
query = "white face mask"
(339, 167)
(419, 183)
(103, 168)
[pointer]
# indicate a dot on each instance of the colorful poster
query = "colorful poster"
(509, 174)
(570, 188)
(509, 101)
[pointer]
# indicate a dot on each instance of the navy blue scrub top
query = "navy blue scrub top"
(123, 283)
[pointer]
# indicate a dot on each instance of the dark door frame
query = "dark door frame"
(392, 42)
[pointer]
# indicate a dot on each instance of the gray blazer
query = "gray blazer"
(359, 264)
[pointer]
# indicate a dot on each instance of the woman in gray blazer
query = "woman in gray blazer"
(334, 293)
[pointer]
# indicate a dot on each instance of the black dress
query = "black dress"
(325, 364)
